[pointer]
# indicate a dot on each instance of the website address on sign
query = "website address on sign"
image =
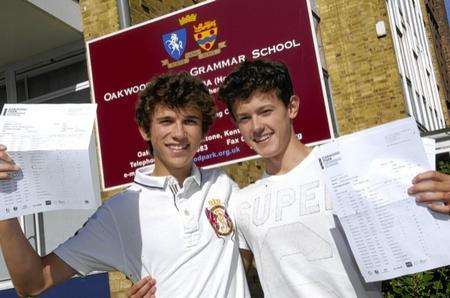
(225, 153)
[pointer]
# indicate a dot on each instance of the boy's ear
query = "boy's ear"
(144, 134)
(293, 106)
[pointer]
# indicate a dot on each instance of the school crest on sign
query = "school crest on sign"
(175, 43)
(219, 218)
(205, 34)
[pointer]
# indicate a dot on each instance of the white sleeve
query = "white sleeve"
(233, 209)
(96, 246)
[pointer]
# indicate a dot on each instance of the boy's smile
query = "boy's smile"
(175, 136)
(265, 123)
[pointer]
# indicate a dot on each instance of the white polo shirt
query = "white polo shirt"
(182, 237)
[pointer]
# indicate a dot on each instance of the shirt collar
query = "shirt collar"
(196, 174)
(143, 177)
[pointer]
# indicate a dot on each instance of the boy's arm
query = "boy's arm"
(29, 273)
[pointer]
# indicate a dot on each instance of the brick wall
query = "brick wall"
(99, 17)
(365, 82)
(143, 10)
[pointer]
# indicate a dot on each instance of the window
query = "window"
(403, 58)
(400, 9)
(414, 63)
(53, 80)
(81, 96)
(421, 109)
(428, 123)
(407, 11)
(411, 98)
(432, 119)
(3, 96)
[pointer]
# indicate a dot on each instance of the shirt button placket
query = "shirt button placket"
(190, 228)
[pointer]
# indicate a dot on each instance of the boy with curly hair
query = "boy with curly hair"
(163, 224)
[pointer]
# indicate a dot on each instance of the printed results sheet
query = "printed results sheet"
(368, 174)
(55, 148)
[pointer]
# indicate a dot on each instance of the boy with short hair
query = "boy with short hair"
(286, 218)
(163, 224)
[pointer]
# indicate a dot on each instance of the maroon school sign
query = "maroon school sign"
(208, 41)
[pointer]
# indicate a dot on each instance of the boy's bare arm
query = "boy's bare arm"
(29, 273)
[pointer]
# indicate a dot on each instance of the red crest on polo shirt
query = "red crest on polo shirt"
(219, 218)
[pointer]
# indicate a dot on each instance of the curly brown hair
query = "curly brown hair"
(257, 75)
(175, 91)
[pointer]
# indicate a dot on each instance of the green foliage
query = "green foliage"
(444, 167)
(432, 283)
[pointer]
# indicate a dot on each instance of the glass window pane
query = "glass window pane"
(82, 96)
(57, 79)
(420, 107)
(425, 111)
(432, 120)
(2, 92)
(412, 100)
(20, 89)
(2, 96)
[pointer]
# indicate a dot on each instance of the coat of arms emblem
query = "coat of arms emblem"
(219, 218)
(205, 34)
(175, 43)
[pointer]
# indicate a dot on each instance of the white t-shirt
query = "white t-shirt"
(299, 249)
(181, 237)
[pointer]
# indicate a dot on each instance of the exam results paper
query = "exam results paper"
(368, 174)
(55, 148)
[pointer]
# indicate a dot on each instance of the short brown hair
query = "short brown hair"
(175, 91)
(257, 75)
